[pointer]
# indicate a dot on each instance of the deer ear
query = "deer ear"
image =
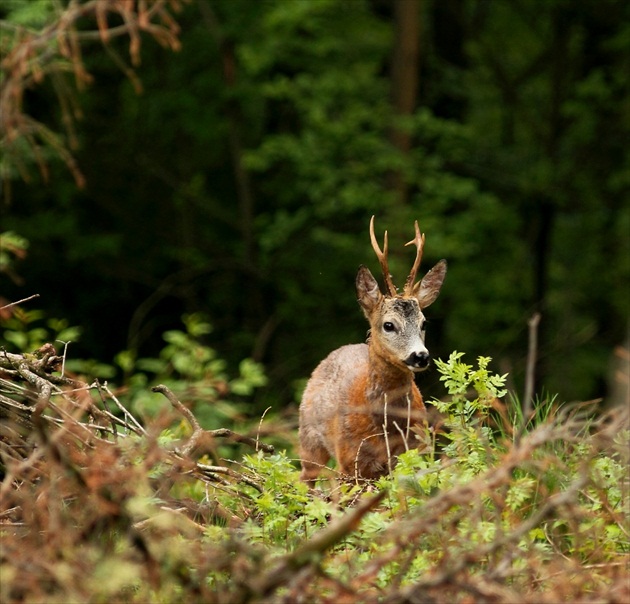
(427, 290)
(368, 293)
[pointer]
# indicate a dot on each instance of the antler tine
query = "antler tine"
(382, 258)
(418, 241)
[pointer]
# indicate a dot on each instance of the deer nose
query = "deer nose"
(419, 360)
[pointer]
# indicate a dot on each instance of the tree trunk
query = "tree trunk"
(404, 78)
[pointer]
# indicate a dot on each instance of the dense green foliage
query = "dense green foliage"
(240, 181)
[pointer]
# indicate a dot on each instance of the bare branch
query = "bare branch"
(19, 301)
(185, 411)
(199, 432)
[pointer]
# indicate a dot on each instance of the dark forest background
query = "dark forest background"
(236, 177)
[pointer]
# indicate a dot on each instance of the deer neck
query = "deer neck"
(387, 383)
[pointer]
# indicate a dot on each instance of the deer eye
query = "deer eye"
(423, 327)
(387, 326)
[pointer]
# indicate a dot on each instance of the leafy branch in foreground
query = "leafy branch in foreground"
(459, 378)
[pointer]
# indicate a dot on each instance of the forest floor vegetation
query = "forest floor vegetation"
(102, 501)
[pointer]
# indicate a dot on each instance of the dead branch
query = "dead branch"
(68, 421)
(199, 433)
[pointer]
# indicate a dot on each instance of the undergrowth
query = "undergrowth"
(137, 494)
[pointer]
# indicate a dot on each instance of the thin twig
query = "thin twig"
(231, 473)
(262, 417)
(356, 457)
(63, 358)
(19, 301)
(108, 413)
(240, 438)
(385, 433)
(408, 419)
(138, 428)
(403, 435)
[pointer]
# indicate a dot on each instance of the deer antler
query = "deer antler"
(418, 241)
(382, 258)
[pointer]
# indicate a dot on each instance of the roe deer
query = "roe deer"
(361, 403)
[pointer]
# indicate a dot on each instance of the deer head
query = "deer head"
(397, 324)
